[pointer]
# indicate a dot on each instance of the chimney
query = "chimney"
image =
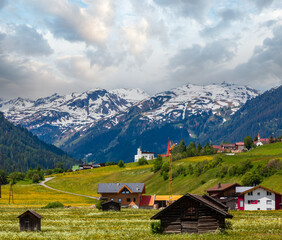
(219, 185)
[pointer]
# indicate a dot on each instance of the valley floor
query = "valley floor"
(86, 223)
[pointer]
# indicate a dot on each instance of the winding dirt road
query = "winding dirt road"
(76, 194)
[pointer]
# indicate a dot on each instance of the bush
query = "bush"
(251, 179)
(121, 164)
(99, 204)
(158, 162)
(228, 224)
(142, 161)
(36, 178)
(156, 227)
(54, 205)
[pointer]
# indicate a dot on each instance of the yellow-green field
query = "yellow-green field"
(86, 182)
(86, 223)
(34, 195)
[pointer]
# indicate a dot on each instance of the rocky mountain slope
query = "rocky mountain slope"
(112, 124)
(186, 112)
(56, 117)
(262, 114)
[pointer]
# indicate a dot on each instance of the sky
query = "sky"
(64, 46)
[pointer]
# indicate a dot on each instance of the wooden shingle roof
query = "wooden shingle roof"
(223, 186)
(220, 208)
(32, 212)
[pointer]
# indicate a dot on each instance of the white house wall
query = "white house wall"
(263, 197)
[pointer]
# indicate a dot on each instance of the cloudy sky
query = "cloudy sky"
(62, 46)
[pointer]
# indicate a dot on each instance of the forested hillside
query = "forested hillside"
(21, 150)
(262, 114)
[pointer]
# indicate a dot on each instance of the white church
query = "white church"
(140, 154)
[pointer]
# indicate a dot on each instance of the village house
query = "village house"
(123, 193)
(193, 214)
(140, 154)
(257, 198)
(225, 193)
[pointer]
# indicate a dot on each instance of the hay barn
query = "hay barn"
(111, 206)
(193, 214)
(30, 221)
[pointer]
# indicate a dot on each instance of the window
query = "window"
(249, 201)
(258, 209)
(258, 193)
(269, 209)
(258, 201)
(127, 192)
(241, 203)
(134, 199)
(128, 199)
(119, 199)
(250, 193)
(268, 202)
(112, 199)
(268, 193)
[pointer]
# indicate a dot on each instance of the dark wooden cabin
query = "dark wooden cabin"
(111, 206)
(193, 214)
(30, 221)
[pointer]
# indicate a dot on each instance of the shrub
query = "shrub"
(251, 179)
(222, 172)
(228, 224)
(203, 182)
(99, 204)
(156, 227)
(54, 205)
(121, 164)
(158, 162)
(36, 178)
(142, 161)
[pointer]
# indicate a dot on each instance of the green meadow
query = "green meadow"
(81, 221)
(86, 223)
(86, 182)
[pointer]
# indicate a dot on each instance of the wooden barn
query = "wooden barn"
(30, 221)
(193, 214)
(111, 206)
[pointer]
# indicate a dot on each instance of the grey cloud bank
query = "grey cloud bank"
(62, 46)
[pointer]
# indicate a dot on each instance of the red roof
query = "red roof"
(147, 201)
(216, 147)
(240, 143)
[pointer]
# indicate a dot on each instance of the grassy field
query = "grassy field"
(86, 182)
(85, 223)
(34, 195)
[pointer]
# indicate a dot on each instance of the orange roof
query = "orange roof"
(166, 197)
(259, 186)
(132, 203)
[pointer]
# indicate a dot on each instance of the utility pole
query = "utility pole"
(11, 194)
(170, 174)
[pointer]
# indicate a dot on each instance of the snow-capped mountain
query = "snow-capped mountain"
(187, 112)
(134, 95)
(56, 118)
(60, 115)
(188, 100)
